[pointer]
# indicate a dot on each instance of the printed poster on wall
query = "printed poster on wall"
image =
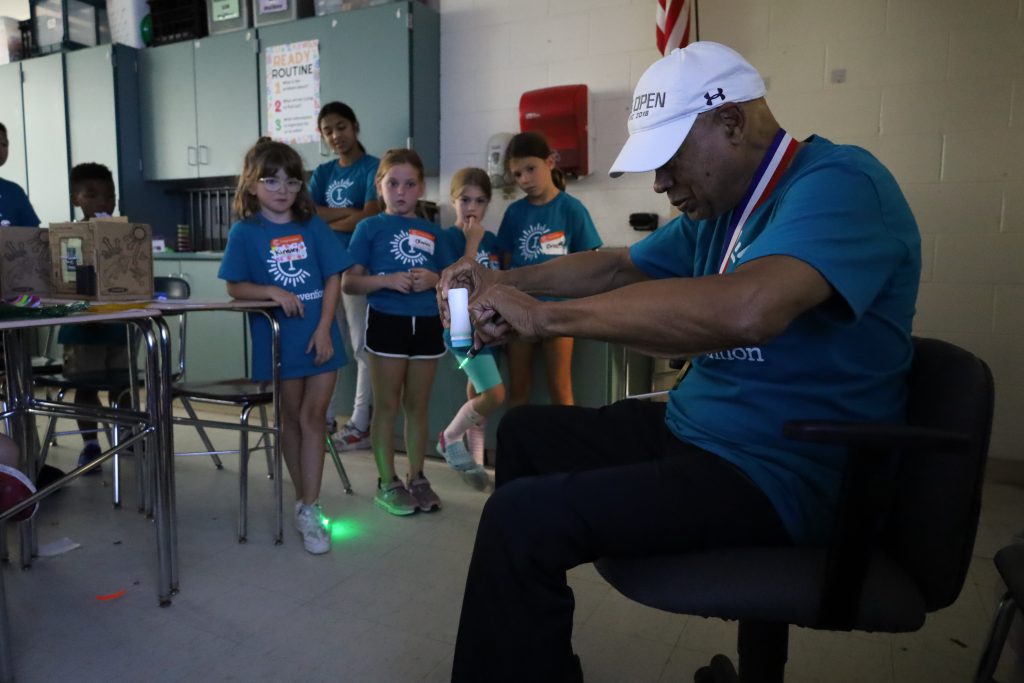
(293, 91)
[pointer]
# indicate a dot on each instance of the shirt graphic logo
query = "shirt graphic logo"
(412, 247)
(336, 193)
(711, 98)
(530, 241)
(488, 260)
(284, 252)
(738, 253)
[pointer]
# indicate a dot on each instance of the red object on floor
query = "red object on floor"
(14, 488)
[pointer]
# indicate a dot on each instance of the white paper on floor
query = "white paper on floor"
(58, 547)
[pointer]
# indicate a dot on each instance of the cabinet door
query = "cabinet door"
(11, 116)
(227, 97)
(215, 343)
(46, 137)
(364, 62)
(168, 112)
(92, 123)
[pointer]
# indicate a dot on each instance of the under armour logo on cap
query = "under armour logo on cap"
(711, 98)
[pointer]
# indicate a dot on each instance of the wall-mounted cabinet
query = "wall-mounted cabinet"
(46, 137)
(11, 115)
(384, 63)
(199, 106)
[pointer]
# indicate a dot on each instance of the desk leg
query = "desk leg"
(18, 362)
(156, 371)
(166, 446)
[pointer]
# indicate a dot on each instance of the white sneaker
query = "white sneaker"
(298, 508)
(351, 438)
(309, 521)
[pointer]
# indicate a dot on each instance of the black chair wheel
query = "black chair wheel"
(724, 670)
(720, 670)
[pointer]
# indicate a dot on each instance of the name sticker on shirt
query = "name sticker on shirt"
(553, 244)
(288, 249)
(423, 241)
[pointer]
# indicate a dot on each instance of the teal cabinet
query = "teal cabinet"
(46, 137)
(384, 63)
(198, 106)
(103, 116)
(215, 346)
(11, 115)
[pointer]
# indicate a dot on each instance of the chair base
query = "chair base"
(763, 650)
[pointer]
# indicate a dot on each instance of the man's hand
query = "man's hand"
(501, 312)
(465, 272)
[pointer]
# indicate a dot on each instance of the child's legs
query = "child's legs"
(292, 391)
(520, 372)
(388, 375)
(316, 395)
(558, 363)
(88, 397)
(419, 379)
(355, 315)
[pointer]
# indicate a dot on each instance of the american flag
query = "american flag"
(673, 20)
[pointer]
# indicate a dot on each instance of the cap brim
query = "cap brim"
(647, 150)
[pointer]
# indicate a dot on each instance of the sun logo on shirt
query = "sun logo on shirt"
(284, 252)
(529, 241)
(336, 198)
(411, 247)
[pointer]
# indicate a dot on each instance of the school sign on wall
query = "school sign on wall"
(293, 91)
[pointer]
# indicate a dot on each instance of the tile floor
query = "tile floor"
(383, 605)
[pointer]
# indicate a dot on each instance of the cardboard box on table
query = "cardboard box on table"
(114, 252)
(24, 262)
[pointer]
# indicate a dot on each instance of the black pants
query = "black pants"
(573, 485)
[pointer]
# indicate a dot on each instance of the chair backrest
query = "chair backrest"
(175, 288)
(931, 528)
(172, 287)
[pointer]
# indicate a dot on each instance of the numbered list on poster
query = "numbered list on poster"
(293, 91)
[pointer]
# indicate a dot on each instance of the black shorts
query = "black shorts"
(404, 336)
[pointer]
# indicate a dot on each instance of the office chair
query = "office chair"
(1010, 564)
(905, 528)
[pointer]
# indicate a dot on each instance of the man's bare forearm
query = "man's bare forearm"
(576, 275)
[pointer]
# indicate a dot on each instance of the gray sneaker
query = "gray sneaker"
(394, 498)
(478, 478)
(309, 521)
(426, 499)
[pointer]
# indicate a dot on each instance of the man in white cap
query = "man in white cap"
(789, 283)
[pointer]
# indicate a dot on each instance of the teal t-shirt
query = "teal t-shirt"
(298, 257)
(385, 244)
(339, 187)
(840, 211)
(487, 254)
(535, 234)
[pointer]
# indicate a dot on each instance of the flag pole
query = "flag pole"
(696, 19)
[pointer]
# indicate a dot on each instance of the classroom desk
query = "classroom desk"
(156, 430)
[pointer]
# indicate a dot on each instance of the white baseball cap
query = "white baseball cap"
(688, 81)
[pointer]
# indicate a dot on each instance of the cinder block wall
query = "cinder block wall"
(934, 88)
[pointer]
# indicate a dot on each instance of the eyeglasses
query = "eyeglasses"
(274, 184)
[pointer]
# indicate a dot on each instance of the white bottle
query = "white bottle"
(458, 307)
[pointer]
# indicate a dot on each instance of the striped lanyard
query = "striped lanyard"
(775, 162)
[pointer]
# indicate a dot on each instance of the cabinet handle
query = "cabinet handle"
(204, 155)
(192, 156)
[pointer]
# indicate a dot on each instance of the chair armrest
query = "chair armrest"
(873, 454)
(860, 436)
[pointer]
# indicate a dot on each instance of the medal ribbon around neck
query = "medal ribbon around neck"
(774, 163)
